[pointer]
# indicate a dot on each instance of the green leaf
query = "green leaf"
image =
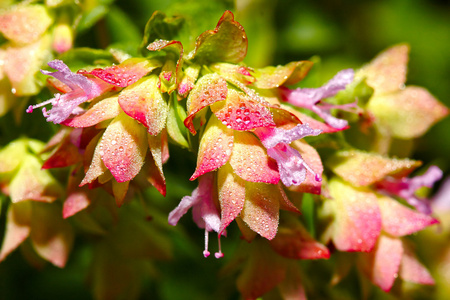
(161, 27)
(226, 43)
(175, 126)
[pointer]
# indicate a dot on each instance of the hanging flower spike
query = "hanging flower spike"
(83, 89)
(406, 187)
(291, 166)
(309, 98)
(204, 212)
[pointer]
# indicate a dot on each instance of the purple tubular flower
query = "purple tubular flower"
(64, 105)
(406, 187)
(291, 166)
(309, 98)
(204, 212)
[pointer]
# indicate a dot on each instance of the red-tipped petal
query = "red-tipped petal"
(240, 112)
(399, 220)
(293, 241)
(357, 217)
(103, 110)
(231, 190)
(123, 148)
(261, 208)
(412, 270)
(127, 73)
(383, 263)
(144, 102)
(347, 164)
(215, 149)
(273, 77)
(76, 202)
(208, 90)
(250, 160)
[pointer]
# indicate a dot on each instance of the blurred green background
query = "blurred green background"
(342, 33)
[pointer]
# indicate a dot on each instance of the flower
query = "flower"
(406, 187)
(204, 211)
(291, 166)
(82, 89)
(309, 98)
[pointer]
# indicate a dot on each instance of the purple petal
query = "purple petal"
(406, 187)
(308, 97)
(182, 208)
(329, 119)
(83, 89)
(73, 80)
(270, 137)
(290, 164)
(204, 211)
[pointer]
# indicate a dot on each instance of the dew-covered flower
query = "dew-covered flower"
(82, 89)
(291, 166)
(310, 98)
(204, 211)
(406, 188)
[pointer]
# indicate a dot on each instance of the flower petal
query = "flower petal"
(408, 113)
(22, 63)
(240, 112)
(103, 110)
(387, 72)
(123, 148)
(144, 102)
(383, 263)
(293, 241)
(208, 90)
(273, 77)
(231, 189)
(18, 226)
(412, 270)
(357, 223)
(215, 148)
(347, 164)
(399, 220)
(52, 239)
(40, 184)
(96, 165)
(262, 271)
(312, 159)
(126, 73)
(308, 97)
(24, 24)
(261, 208)
(250, 160)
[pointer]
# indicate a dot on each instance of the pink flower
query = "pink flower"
(309, 98)
(291, 166)
(82, 89)
(406, 187)
(204, 212)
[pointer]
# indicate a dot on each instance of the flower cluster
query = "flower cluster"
(261, 154)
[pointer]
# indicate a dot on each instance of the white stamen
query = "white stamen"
(206, 252)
